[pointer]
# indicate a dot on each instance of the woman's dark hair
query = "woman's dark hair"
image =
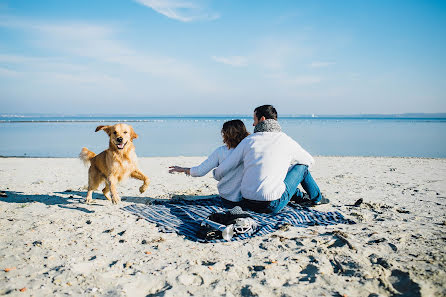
(267, 111)
(233, 132)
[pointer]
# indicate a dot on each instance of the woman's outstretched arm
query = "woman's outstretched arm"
(180, 169)
(207, 165)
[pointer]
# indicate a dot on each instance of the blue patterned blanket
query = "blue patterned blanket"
(184, 217)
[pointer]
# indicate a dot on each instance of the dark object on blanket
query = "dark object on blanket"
(358, 202)
(209, 231)
(228, 218)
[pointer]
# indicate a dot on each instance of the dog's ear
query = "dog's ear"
(133, 135)
(105, 128)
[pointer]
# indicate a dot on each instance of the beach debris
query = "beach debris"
(121, 233)
(379, 240)
(22, 290)
(402, 211)
(92, 290)
(3, 194)
(37, 243)
(109, 230)
(68, 191)
(208, 263)
(9, 269)
(88, 222)
(122, 241)
(113, 263)
(358, 202)
(147, 252)
(128, 265)
(160, 239)
(343, 237)
(257, 268)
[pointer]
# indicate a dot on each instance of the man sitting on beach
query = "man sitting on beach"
(274, 166)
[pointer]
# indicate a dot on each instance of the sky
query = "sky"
(184, 57)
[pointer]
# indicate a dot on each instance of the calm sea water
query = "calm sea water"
(199, 136)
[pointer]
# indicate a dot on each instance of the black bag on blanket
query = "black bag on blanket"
(215, 225)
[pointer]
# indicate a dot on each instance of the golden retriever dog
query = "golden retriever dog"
(114, 164)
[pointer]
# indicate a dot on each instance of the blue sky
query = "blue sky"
(222, 56)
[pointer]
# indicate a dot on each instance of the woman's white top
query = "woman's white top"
(229, 185)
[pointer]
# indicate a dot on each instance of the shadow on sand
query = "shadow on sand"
(75, 198)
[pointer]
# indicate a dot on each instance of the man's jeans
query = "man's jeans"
(299, 174)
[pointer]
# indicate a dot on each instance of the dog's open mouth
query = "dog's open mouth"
(121, 145)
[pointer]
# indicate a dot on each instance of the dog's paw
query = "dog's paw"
(89, 201)
(116, 200)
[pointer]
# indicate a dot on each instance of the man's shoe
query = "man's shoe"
(322, 201)
(300, 200)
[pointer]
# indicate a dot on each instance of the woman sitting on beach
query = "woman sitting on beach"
(233, 132)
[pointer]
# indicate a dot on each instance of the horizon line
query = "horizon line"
(312, 115)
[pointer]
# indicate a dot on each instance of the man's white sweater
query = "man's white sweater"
(229, 185)
(266, 158)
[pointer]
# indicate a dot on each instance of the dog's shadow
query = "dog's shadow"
(132, 199)
(58, 200)
(77, 198)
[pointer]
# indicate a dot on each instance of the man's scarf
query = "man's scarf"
(268, 125)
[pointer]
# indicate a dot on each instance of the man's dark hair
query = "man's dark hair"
(267, 111)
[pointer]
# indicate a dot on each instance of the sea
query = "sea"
(162, 136)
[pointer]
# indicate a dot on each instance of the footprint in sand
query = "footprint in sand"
(190, 279)
(311, 271)
(402, 282)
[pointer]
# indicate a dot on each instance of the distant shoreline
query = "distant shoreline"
(92, 117)
(148, 119)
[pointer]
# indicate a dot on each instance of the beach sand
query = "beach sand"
(53, 244)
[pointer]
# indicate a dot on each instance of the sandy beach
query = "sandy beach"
(53, 244)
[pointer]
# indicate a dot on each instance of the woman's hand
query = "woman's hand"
(173, 169)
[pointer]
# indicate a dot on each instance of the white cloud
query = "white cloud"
(184, 11)
(237, 61)
(80, 44)
(321, 64)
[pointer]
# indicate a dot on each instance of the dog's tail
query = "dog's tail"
(86, 156)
